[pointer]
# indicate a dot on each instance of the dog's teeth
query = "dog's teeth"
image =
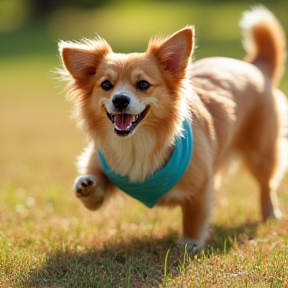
(134, 118)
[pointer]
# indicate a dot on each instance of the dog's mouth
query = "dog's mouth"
(125, 124)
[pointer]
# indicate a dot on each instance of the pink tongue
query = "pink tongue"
(123, 122)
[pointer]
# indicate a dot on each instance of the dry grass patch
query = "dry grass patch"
(135, 248)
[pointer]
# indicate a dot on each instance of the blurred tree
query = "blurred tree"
(43, 8)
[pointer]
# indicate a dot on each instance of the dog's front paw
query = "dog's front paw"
(193, 246)
(87, 190)
(84, 185)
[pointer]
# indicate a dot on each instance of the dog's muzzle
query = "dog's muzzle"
(124, 122)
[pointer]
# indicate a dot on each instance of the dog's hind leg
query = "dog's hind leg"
(261, 166)
(264, 158)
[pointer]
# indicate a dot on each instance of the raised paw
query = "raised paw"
(84, 185)
(87, 190)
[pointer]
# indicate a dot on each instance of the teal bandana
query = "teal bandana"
(153, 188)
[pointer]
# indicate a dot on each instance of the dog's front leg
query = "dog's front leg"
(92, 188)
(195, 217)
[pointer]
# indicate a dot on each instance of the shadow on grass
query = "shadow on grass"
(133, 262)
(223, 238)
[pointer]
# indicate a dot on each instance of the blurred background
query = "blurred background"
(38, 141)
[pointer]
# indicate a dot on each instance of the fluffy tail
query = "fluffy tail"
(265, 45)
(264, 42)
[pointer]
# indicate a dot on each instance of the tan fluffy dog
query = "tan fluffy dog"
(133, 106)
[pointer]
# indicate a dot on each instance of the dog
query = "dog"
(161, 126)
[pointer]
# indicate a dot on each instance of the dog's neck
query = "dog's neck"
(136, 156)
(150, 190)
(140, 156)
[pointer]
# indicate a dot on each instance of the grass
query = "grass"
(47, 239)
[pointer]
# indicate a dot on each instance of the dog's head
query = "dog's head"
(124, 93)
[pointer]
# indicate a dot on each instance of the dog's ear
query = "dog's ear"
(174, 52)
(81, 59)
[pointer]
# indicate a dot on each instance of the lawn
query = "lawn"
(48, 239)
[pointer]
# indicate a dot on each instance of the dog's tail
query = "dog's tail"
(264, 42)
(265, 45)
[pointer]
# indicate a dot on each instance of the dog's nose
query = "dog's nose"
(120, 101)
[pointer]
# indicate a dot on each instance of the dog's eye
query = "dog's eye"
(106, 85)
(143, 85)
